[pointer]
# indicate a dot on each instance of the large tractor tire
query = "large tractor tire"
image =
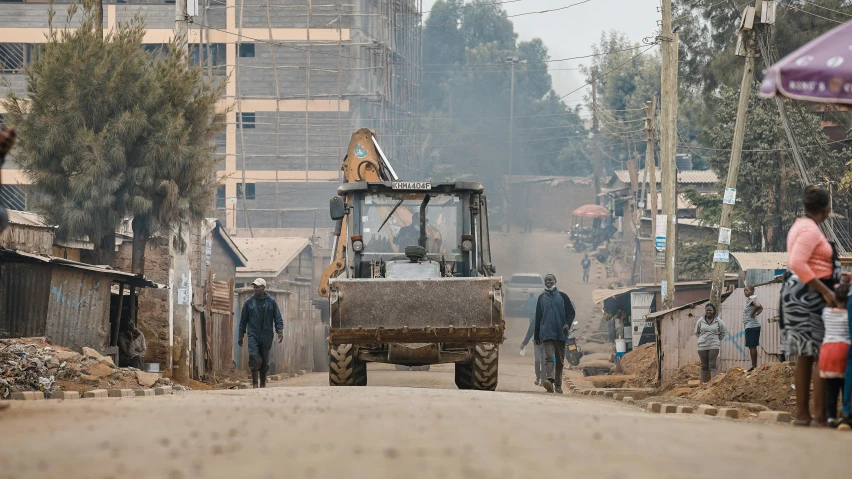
(464, 376)
(484, 367)
(344, 367)
(321, 356)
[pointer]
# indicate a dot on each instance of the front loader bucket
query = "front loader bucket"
(433, 310)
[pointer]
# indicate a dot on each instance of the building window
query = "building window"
(198, 55)
(247, 120)
(249, 191)
(12, 57)
(221, 143)
(247, 50)
(220, 196)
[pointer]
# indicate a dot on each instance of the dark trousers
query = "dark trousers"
(708, 359)
(586, 275)
(134, 362)
(259, 353)
(554, 352)
(528, 227)
(847, 387)
(539, 362)
(833, 389)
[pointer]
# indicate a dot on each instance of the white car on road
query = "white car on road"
(519, 288)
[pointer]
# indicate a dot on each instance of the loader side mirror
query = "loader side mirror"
(337, 208)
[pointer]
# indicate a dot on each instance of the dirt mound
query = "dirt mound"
(690, 372)
(770, 385)
(33, 364)
(614, 381)
(641, 363)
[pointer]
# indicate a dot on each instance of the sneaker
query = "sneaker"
(832, 422)
(749, 370)
(559, 391)
(845, 424)
(538, 382)
(548, 385)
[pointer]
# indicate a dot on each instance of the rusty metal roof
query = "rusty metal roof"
(7, 255)
(27, 218)
(212, 224)
(268, 256)
(600, 295)
(684, 177)
(771, 261)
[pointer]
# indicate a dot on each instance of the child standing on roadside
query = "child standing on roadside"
(835, 351)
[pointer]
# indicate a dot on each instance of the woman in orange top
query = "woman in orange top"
(812, 262)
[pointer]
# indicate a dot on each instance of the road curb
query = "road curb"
(120, 393)
(775, 416)
(95, 393)
(27, 396)
(144, 392)
(65, 395)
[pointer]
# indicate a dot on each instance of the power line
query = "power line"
(494, 19)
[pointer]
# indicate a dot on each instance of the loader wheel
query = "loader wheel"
(344, 367)
(321, 348)
(464, 376)
(484, 367)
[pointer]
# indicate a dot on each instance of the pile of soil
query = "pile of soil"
(770, 385)
(226, 378)
(673, 387)
(33, 364)
(610, 381)
(641, 363)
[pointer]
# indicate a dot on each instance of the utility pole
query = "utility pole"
(651, 168)
(595, 133)
(180, 274)
(722, 254)
(511, 61)
(668, 147)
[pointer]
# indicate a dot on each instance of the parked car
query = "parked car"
(520, 286)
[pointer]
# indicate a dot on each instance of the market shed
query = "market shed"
(73, 304)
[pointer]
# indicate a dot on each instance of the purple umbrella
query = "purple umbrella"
(820, 71)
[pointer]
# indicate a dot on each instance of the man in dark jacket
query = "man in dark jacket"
(554, 314)
(259, 315)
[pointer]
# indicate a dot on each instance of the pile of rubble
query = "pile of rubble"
(33, 364)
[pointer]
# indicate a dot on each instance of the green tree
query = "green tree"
(108, 132)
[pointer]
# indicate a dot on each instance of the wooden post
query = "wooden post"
(734, 165)
(668, 147)
(597, 145)
(113, 338)
(651, 167)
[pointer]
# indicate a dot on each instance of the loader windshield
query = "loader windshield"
(402, 226)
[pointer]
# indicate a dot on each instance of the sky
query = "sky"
(571, 32)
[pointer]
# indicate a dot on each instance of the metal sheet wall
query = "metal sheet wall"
(677, 333)
(24, 292)
(78, 309)
(734, 353)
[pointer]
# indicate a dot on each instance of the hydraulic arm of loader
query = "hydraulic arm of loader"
(364, 161)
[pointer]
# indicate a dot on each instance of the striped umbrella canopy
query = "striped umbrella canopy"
(591, 211)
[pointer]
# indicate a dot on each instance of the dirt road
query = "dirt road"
(404, 424)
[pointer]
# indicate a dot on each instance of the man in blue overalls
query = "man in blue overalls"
(259, 316)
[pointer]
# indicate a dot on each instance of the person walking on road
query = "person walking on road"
(586, 263)
(260, 314)
(529, 217)
(710, 331)
(814, 269)
(751, 324)
(554, 314)
(529, 307)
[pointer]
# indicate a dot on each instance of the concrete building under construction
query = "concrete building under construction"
(304, 74)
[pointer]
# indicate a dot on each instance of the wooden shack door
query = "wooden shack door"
(220, 324)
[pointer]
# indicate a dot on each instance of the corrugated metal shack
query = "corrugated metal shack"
(760, 268)
(69, 302)
(676, 332)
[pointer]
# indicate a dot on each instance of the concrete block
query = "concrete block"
(144, 392)
(586, 392)
(609, 394)
(121, 393)
(96, 393)
(639, 395)
(162, 390)
(65, 395)
(694, 383)
(618, 396)
(628, 400)
(775, 416)
(27, 395)
(655, 407)
(292, 375)
(684, 409)
(706, 410)
(668, 409)
(302, 372)
(729, 412)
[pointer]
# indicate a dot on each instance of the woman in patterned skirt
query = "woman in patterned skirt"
(815, 269)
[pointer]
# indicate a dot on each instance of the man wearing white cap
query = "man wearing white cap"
(259, 315)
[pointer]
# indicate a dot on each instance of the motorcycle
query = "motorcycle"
(573, 353)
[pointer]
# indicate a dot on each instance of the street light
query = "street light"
(511, 61)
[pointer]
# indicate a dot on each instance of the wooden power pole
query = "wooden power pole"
(668, 150)
(651, 168)
(595, 132)
(722, 254)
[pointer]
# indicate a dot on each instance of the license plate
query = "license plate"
(412, 185)
(572, 347)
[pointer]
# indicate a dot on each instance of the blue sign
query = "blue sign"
(660, 243)
(360, 152)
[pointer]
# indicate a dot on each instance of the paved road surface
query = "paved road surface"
(403, 425)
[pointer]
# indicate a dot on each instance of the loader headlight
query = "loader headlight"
(467, 243)
(357, 244)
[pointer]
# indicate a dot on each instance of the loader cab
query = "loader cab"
(414, 229)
